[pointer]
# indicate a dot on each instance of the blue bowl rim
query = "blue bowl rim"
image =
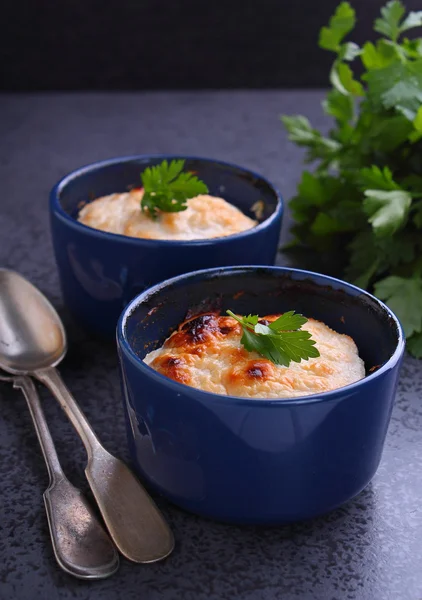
(56, 207)
(123, 343)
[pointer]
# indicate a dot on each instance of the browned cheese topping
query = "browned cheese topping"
(206, 353)
(206, 217)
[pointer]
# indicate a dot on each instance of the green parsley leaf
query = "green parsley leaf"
(400, 249)
(413, 48)
(313, 191)
(406, 95)
(416, 135)
(166, 188)
(342, 79)
(251, 319)
(404, 297)
(376, 178)
(301, 132)
(414, 344)
(281, 341)
(317, 190)
(339, 106)
(417, 219)
(370, 255)
(418, 120)
(389, 133)
(413, 19)
(378, 56)
(339, 26)
(325, 224)
(364, 259)
(349, 51)
(387, 210)
(319, 147)
(398, 86)
(288, 321)
(389, 23)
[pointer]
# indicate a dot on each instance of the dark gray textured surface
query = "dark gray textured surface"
(371, 549)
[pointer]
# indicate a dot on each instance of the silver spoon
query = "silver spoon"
(33, 342)
(80, 543)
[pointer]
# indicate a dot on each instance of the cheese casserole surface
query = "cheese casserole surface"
(206, 217)
(206, 353)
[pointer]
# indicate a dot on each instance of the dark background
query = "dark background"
(169, 44)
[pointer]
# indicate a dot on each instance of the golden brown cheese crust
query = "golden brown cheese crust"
(206, 353)
(206, 217)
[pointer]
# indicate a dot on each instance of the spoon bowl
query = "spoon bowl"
(32, 336)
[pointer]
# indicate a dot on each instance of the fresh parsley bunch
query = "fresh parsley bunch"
(167, 187)
(361, 209)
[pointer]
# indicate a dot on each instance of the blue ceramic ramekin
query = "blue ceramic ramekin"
(101, 272)
(258, 461)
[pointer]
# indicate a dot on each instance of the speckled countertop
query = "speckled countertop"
(371, 549)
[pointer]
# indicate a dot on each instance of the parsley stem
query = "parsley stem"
(248, 326)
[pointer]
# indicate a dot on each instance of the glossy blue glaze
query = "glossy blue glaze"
(258, 461)
(101, 272)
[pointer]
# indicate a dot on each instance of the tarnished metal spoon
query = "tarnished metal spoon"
(81, 545)
(33, 342)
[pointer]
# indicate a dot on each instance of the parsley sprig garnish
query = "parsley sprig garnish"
(281, 341)
(167, 187)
